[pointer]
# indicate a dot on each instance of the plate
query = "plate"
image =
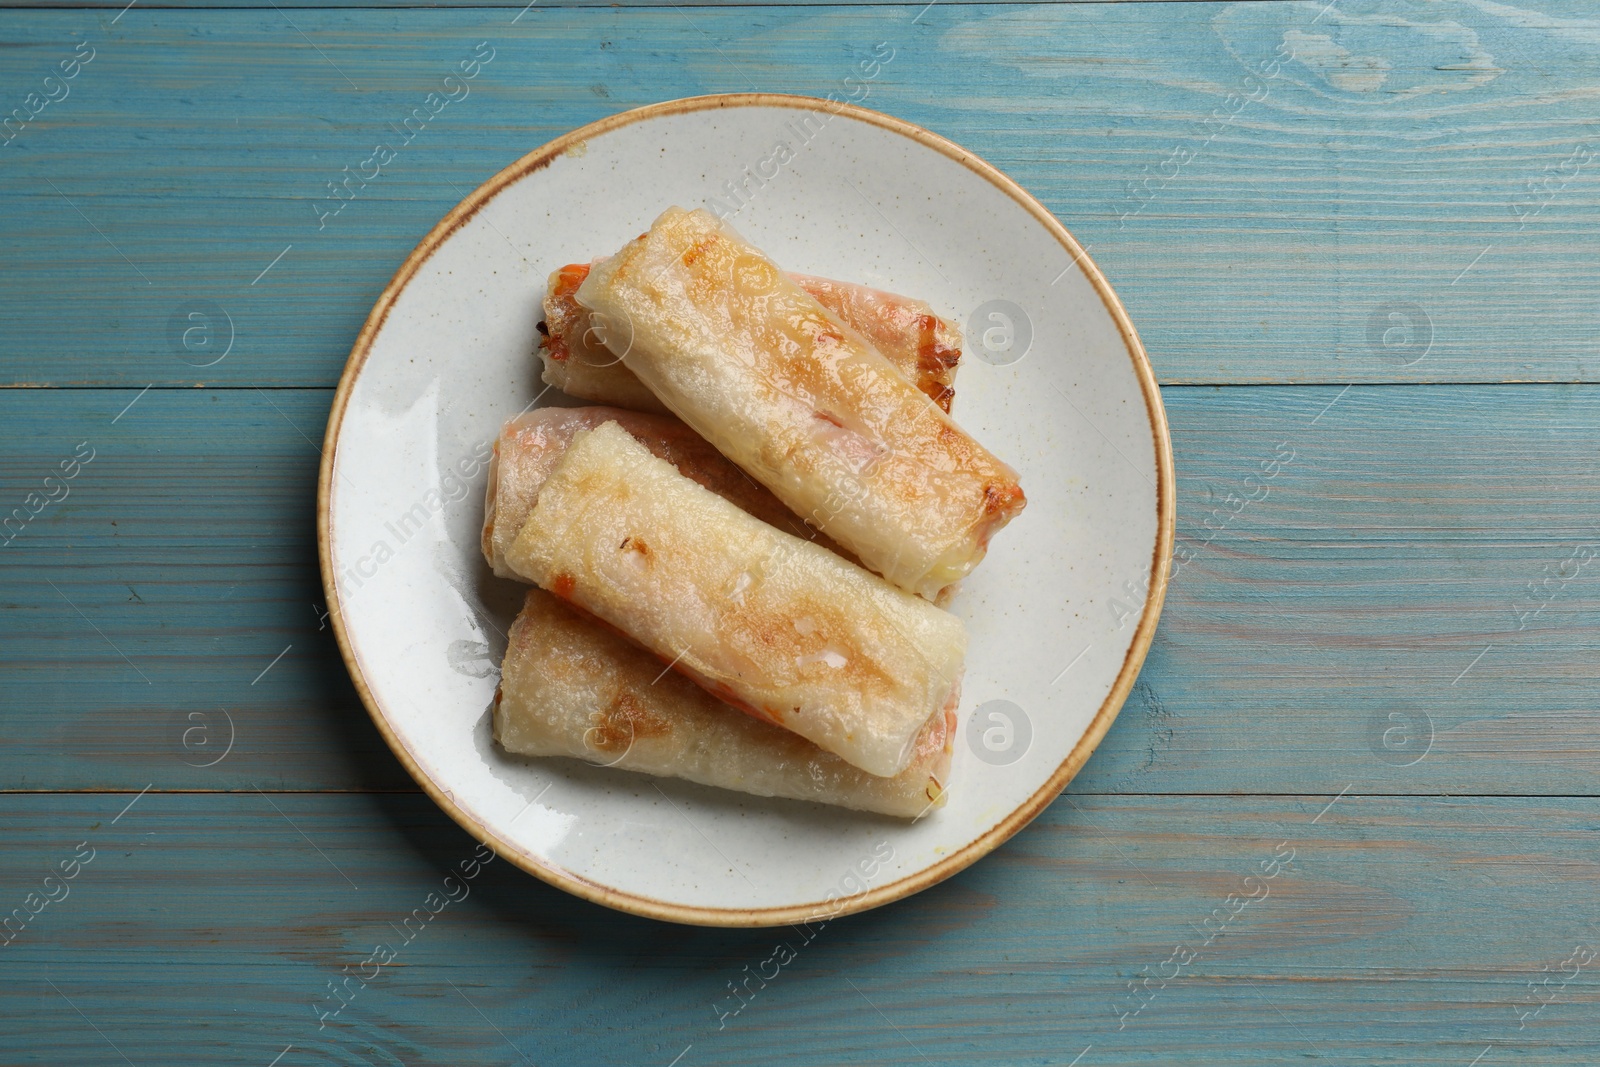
(1055, 382)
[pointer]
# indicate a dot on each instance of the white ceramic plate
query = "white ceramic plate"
(445, 357)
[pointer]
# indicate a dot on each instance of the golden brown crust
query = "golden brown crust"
(531, 444)
(570, 688)
(782, 628)
(803, 402)
(923, 347)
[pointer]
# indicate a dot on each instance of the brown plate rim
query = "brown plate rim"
(822, 910)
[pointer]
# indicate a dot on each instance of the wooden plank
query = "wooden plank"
(1358, 221)
(1400, 933)
(1394, 545)
(142, 609)
(1367, 618)
(99, 5)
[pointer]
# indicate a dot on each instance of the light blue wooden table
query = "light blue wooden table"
(1382, 258)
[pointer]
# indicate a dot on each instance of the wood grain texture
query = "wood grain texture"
(1357, 221)
(1402, 933)
(113, 8)
(141, 610)
(1382, 600)
(1395, 543)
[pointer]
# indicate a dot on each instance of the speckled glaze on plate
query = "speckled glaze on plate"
(1054, 381)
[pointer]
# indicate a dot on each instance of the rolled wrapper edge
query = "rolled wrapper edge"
(867, 664)
(708, 350)
(568, 689)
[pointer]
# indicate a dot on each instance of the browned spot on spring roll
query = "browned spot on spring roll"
(786, 630)
(923, 347)
(531, 444)
(569, 688)
(802, 402)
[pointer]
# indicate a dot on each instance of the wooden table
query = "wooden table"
(1379, 260)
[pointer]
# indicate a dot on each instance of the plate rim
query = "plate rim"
(974, 850)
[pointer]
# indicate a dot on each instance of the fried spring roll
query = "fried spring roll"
(576, 360)
(803, 403)
(923, 347)
(571, 688)
(770, 623)
(531, 444)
